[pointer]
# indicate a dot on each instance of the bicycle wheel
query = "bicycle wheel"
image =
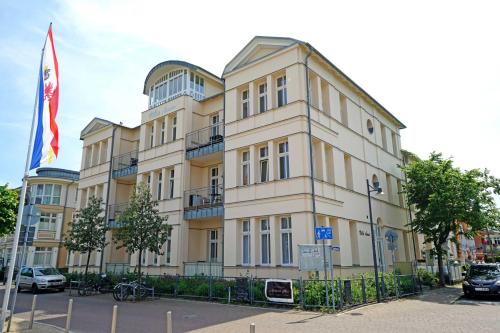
(117, 292)
(82, 290)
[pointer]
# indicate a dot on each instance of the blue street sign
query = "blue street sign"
(323, 233)
(391, 236)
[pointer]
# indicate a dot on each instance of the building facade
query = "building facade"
(53, 191)
(247, 164)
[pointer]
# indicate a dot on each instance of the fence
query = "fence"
(307, 293)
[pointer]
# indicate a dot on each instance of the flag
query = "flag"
(46, 142)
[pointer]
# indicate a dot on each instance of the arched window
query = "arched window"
(375, 182)
(174, 84)
(369, 125)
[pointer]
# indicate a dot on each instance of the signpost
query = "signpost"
(323, 233)
(392, 237)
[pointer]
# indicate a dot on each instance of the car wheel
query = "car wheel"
(34, 288)
(19, 288)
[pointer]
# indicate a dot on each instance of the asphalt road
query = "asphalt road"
(440, 310)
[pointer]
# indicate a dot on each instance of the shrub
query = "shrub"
(427, 278)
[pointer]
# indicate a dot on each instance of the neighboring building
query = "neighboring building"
(228, 159)
(54, 192)
(487, 245)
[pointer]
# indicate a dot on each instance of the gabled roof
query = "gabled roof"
(258, 48)
(178, 63)
(263, 46)
(95, 125)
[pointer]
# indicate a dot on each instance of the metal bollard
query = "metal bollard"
(252, 328)
(68, 316)
(113, 319)
(169, 322)
(32, 315)
(228, 295)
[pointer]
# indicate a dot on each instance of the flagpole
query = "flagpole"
(12, 263)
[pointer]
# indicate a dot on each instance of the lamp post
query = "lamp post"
(369, 189)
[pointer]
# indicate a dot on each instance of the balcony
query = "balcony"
(204, 202)
(205, 141)
(114, 212)
(125, 165)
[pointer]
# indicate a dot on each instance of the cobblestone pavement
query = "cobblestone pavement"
(436, 311)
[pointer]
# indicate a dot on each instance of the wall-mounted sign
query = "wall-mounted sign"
(278, 290)
(311, 257)
(364, 233)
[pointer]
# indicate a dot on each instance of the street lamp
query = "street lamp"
(369, 189)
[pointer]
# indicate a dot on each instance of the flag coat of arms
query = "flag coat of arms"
(46, 142)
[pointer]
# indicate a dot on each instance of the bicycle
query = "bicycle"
(123, 290)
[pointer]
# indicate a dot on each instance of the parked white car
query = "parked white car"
(37, 278)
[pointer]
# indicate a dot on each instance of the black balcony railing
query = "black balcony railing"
(207, 197)
(125, 164)
(114, 212)
(205, 137)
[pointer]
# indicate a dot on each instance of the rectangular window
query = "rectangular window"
(394, 143)
(48, 222)
(155, 259)
(46, 194)
(149, 182)
(213, 244)
(286, 241)
(281, 89)
(246, 242)
(244, 104)
(264, 164)
(263, 97)
(168, 249)
(400, 193)
(348, 171)
(245, 168)
(143, 258)
(171, 181)
(343, 110)
(174, 128)
(162, 132)
(160, 177)
(265, 242)
(284, 165)
(384, 136)
(43, 256)
(151, 135)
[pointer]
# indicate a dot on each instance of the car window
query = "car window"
(484, 272)
(29, 272)
(46, 271)
(24, 271)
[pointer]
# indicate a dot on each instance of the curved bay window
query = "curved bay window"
(174, 84)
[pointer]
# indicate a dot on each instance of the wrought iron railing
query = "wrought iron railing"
(205, 137)
(206, 197)
(115, 210)
(125, 164)
(203, 268)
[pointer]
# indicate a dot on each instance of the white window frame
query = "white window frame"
(51, 222)
(265, 237)
(262, 97)
(286, 159)
(46, 197)
(168, 247)
(264, 161)
(281, 89)
(245, 167)
(171, 183)
(213, 244)
(245, 104)
(162, 135)
(286, 232)
(174, 128)
(43, 254)
(246, 234)
(160, 184)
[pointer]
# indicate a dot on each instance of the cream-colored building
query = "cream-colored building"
(247, 164)
(53, 191)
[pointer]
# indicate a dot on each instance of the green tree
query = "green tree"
(141, 227)
(87, 231)
(444, 196)
(9, 201)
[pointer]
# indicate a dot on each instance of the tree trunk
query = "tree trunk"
(139, 271)
(441, 268)
(87, 265)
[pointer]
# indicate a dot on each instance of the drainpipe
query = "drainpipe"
(311, 163)
(106, 208)
(223, 171)
(63, 220)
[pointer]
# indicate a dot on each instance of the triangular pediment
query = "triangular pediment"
(259, 47)
(95, 125)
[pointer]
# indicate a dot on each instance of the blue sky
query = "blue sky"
(435, 65)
